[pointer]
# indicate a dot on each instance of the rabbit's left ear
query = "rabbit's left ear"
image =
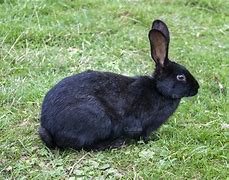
(159, 42)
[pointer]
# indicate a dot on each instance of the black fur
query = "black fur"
(99, 110)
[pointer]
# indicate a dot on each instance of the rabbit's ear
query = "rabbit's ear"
(159, 42)
(161, 26)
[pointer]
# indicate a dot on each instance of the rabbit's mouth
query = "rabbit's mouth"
(175, 96)
(193, 92)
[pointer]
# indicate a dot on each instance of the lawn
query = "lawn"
(42, 42)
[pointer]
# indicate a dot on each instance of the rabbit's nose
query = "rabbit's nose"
(197, 85)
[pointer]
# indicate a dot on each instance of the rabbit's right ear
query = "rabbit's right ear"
(159, 42)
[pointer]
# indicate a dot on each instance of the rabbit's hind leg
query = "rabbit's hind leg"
(80, 127)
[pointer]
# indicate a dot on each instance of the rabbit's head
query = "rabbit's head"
(172, 80)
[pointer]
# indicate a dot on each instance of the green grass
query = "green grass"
(43, 41)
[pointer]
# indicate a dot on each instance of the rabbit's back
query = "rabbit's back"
(105, 86)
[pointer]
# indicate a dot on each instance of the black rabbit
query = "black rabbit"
(99, 110)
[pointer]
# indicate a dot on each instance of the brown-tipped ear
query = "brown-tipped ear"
(159, 47)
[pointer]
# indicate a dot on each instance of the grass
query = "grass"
(43, 41)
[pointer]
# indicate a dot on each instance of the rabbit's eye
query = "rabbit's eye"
(181, 77)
